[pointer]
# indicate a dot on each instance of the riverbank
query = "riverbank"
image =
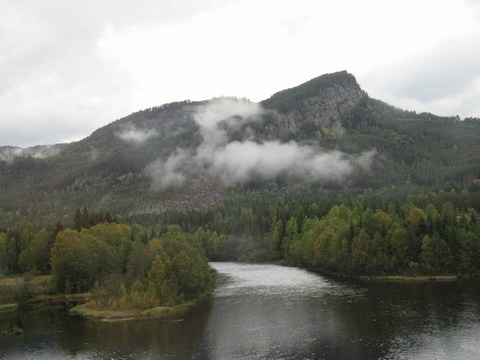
(18, 291)
(48, 300)
(388, 278)
(8, 307)
(92, 311)
(402, 278)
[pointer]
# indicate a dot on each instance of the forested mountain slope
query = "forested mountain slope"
(325, 133)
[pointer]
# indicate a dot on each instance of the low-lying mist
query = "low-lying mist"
(132, 135)
(9, 154)
(236, 162)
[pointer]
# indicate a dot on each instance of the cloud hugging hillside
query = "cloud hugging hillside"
(325, 133)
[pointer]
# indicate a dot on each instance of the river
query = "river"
(272, 312)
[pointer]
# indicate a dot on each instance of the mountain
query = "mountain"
(326, 132)
(317, 104)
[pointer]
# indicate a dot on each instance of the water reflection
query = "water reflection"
(272, 312)
(278, 312)
(51, 334)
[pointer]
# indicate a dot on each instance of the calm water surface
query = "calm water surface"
(272, 312)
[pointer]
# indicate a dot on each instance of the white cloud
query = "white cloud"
(136, 136)
(170, 173)
(68, 68)
(8, 154)
(237, 162)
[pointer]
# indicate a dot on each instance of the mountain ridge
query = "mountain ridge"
(188, 155)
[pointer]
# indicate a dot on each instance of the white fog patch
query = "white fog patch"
(94, 154)
(42, 152)
(234, 112)
(220, 115)
(136, 136)
(169, 173)
(239, 162)
(9, 154)
(236, 162)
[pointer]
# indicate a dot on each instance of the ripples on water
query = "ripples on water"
(292, 313)
(273, 312)
(451, 335)
(268, 311)
(257, 280)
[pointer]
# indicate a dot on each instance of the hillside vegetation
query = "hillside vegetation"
(388, 191)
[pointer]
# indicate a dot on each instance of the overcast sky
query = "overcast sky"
(69, 67)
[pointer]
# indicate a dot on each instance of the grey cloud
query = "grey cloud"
(53, 70)
(52, 74)
(445, 81)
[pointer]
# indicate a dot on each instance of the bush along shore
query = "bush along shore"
(93, 310)
(116, 271)
(27, 290)
(130, 270)
(85, 304)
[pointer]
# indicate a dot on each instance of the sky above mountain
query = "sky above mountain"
(67, 68)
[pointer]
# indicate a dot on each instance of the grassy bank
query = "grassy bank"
(388, 278)
(21, 290)
(8, 307)
(36, 290)
(62, 298)
(93, 311)
(10, 285)
(416, 278)
(17, 291)
(28, 290)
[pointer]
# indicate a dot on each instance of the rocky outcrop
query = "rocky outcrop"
(307, 109)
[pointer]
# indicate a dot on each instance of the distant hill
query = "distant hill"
(326, 132)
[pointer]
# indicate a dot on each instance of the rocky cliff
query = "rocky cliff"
(305, 110)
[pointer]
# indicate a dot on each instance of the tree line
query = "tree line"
(164, 261)
(401, 231)
(117, 263)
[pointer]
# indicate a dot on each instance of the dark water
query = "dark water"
(271, 312)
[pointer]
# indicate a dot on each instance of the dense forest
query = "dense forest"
(90, 218)
(415, 232)
(398, 232)
(119, 264)
(106, 174)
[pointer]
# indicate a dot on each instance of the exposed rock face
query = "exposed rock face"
(333, 104)
(320, 103)
(112, 161)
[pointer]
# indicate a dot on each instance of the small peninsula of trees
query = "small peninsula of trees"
(164, 262)
(117, 263)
